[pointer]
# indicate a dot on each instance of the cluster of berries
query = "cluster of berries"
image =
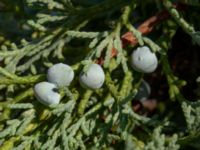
(61, 75)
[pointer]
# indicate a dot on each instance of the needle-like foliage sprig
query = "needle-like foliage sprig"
(70, 32)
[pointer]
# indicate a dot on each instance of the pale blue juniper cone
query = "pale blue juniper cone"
(47, 93)
(93, 78)
(144, 91)
(60, 74)
(143, 60)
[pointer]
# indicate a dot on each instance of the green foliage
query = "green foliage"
(46, 32)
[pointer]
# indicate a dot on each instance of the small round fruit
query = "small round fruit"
(143, 60)
(144, 91)
(47, 93)
(60, 74)
(93, 78)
